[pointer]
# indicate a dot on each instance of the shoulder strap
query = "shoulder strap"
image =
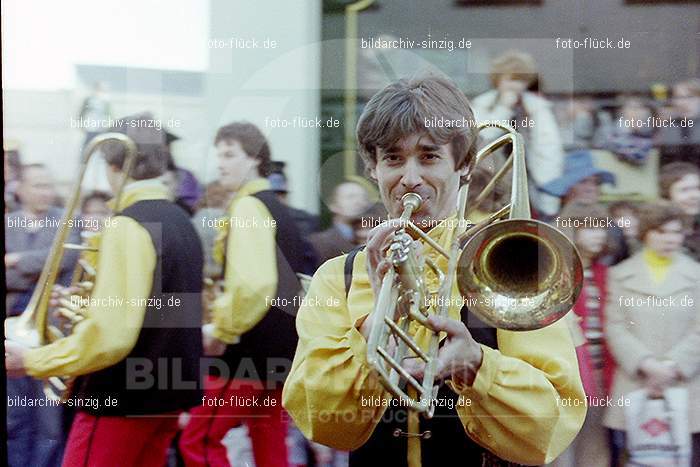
(349, 261)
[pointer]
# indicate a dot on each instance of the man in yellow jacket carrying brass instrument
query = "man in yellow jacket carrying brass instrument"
(510, 396)
(252, 326)
(136, 354)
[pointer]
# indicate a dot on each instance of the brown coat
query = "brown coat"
(636, 329)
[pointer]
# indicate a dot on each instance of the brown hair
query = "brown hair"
(617, 206)
(519, 65)
(94, 195)
(251, 140)
(152, 153)
(402, 108)
(671, 173)
(655, 214)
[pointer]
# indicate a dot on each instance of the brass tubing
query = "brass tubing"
(407, 339)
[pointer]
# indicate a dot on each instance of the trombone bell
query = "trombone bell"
(519, 274)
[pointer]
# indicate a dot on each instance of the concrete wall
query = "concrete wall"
(40, 123)
(252, 84)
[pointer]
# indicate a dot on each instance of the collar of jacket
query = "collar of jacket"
(252, 187)
(634, 274)
(140, 190)
(655, 260)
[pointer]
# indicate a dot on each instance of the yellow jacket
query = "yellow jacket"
(114, 317)
(528, 402)
(250, 279)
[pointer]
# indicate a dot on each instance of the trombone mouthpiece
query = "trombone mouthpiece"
(413, 200)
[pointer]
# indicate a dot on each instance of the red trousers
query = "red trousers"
(119, 441)
(226, 405)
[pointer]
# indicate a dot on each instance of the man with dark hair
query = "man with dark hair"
(510, 384)
(253, 319)
(99, 198)
(251, 141)
(136, 351)
(29, 232)
(379, 125)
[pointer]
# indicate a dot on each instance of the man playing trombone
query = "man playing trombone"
(509, 396)
(135, 348)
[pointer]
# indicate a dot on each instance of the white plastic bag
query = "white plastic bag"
(657, 429)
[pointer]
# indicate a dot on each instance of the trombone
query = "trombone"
(529, 293)
(32, 328)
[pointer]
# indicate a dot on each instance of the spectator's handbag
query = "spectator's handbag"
(657, 429)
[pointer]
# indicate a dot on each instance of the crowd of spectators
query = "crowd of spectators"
(636, 248)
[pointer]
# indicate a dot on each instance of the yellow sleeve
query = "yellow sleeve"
(330, 392)
(250, 281)
(114, 318)
(527, 402)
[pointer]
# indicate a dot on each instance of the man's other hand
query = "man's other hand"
(458, 359)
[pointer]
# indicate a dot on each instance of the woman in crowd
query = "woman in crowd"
(595, 362)
(512, 75)
(655, 343)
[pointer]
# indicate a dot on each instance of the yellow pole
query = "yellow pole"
(351, 12)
